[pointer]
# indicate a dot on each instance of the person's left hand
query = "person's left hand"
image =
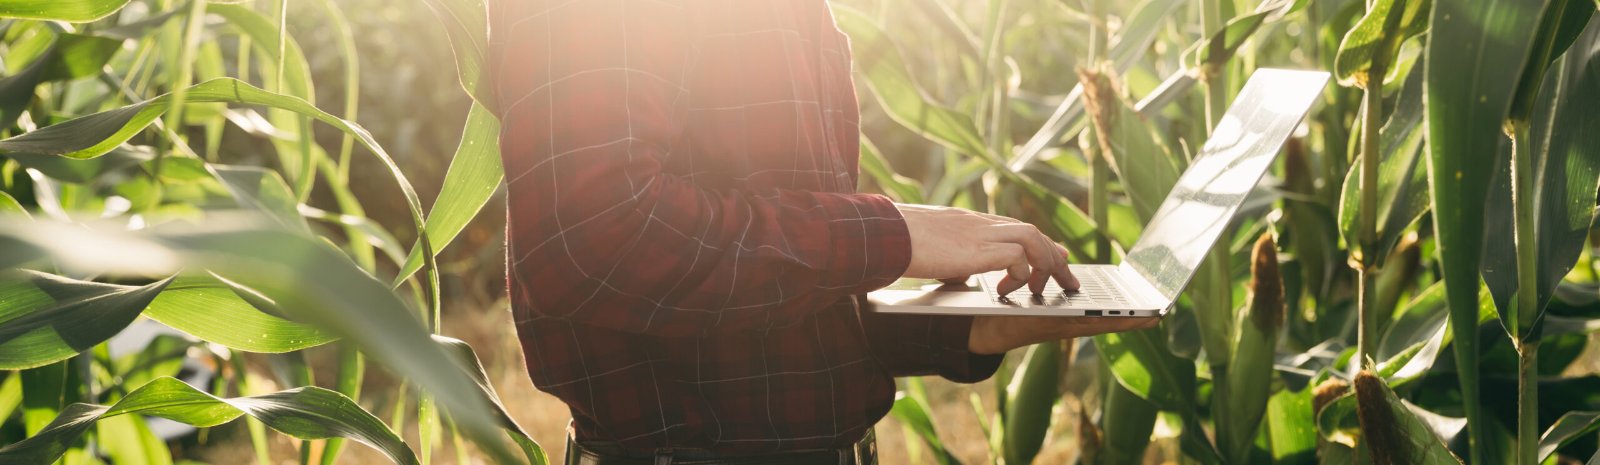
(998, 334)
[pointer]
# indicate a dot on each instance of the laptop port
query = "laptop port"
(1091, 313)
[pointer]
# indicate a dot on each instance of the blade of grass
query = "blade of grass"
(306, 413)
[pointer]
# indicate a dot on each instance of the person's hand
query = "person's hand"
(952, 243)
(999, 334)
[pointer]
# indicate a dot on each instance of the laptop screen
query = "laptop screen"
(1241, 148)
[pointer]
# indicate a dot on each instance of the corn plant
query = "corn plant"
(158, 162)
(1454, 154)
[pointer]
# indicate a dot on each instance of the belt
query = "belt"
(863, 452)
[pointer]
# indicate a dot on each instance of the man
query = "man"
(686, 250)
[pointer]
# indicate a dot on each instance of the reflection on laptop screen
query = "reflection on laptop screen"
(1240, 150)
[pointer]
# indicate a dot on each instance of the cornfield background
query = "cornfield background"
(216, 213)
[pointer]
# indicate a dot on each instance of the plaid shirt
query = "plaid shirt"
(686, 249)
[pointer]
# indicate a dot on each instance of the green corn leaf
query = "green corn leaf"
(1141, 363)
(10, 206)
(206, 308)
(94, 135)
(1402, 180)
(1479, 47)
(466, 23)
(70, 56)
(163, 356)
(1030, 398)
(44, 392)
(469, 359)
(1220, 46)
(1393, 433)
(1379, 33)
(475, 172)
(1141, 161)
(304, 276)
(879, 60)
(1559, 27)
(901, 188)
(1133, 41)
(75, 170)
(305, 413)
(46, 318)
(262, 189)
(1566, 156)
(127, 439)
(10, 394)
(1570, 427)
(912, 410)
(1245, 387)
(1126, 421)
(76, 11)
(1291, 427)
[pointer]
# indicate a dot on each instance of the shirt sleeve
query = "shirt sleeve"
(921, 345)
(590, 94)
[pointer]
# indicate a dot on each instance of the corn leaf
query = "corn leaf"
(1141, 161)
(475, 173)
(305, 413)
(1291, 428)
(76, 11)
(302, 275)
(128, 439)
(70, 56)
(10, 206)
(207, 309)
(1479, 47)
(900, 188)
(1378, 33)
(1402, 181)
(466, 23)
(911, 409)
(1030, 399)
(1393, 434)
(262, 189)
(1126, 421)
(469, 359)
(46, 318)
(1141, 363)
(1559, 27)
(1570, 427)
(1566, 156)
(10, 394)
(879, 60)
(75, 170)
(1132, 42)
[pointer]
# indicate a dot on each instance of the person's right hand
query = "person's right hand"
(952, 243)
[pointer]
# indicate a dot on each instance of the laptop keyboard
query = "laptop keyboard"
(1096, 287)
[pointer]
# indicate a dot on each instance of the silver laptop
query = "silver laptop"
(1190, 220)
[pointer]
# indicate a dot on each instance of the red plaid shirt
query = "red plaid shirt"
(686, 247)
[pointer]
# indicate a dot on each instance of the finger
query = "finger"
(1041, 275)
(1009, 284)
(1064, 276)
(1042, 254)
(956, 281)
(1009, 257)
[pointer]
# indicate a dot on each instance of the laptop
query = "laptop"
(1192, 218)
